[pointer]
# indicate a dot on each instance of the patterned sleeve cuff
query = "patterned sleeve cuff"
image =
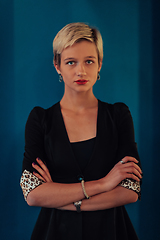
(28, 182)
(132, 185)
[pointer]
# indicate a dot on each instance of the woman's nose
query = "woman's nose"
(81, 70)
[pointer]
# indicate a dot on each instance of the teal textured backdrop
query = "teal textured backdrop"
(130, 74)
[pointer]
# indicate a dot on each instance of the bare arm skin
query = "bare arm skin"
(114, 198)
(55, 195)
(104, 192)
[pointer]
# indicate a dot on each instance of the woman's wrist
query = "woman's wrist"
(94, 187)
(101, 185)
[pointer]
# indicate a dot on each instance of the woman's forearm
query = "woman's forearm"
(114, 198)
(55, 195)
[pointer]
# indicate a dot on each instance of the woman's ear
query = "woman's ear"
(100, 65)
(57, 67)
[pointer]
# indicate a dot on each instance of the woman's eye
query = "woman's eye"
(89, 61)
(70, 63)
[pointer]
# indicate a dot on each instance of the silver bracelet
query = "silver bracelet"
(78, 206)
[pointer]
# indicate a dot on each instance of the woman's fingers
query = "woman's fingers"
(126, 168)
(131, 168)
(39, 176)
(133, 176)
(42, 170)
(129, 159)
(44, 167)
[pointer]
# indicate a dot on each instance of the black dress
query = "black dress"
(46, 138)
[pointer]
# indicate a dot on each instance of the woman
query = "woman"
(81, 163)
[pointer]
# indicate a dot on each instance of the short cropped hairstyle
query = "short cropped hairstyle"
(74, 33)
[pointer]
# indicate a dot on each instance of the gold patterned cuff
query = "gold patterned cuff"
(132, 185)
(28, 182)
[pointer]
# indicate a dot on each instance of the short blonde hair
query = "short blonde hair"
(73, 33)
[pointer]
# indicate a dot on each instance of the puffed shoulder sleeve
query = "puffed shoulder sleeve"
(34, 147)
(126, 143)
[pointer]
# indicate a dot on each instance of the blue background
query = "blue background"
(130, 73)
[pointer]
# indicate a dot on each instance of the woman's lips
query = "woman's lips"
(81, 81)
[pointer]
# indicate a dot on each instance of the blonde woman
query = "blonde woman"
(81, 163)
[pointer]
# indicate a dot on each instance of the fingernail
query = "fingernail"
(38, 158)
(34, 172)
(34, 163)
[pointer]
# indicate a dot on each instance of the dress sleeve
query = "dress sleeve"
(126, 143)
(34, 147)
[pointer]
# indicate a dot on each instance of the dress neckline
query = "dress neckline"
(65, 126)
(83, 141)
(68, 140)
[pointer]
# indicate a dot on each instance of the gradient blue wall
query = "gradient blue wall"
(130, 74)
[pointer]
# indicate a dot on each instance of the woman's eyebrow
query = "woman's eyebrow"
(72, 58)
(90, 57)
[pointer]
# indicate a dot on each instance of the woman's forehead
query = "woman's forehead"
(80, 49)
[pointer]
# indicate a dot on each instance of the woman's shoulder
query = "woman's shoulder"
(42, 111)
(114, 107)
(118, 112)
(40, 114)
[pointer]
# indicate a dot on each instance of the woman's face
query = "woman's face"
(79, 66)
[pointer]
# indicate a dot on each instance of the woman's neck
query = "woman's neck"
(78, 102)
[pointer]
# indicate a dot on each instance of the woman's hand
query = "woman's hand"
(43, 172)
(126, 168)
